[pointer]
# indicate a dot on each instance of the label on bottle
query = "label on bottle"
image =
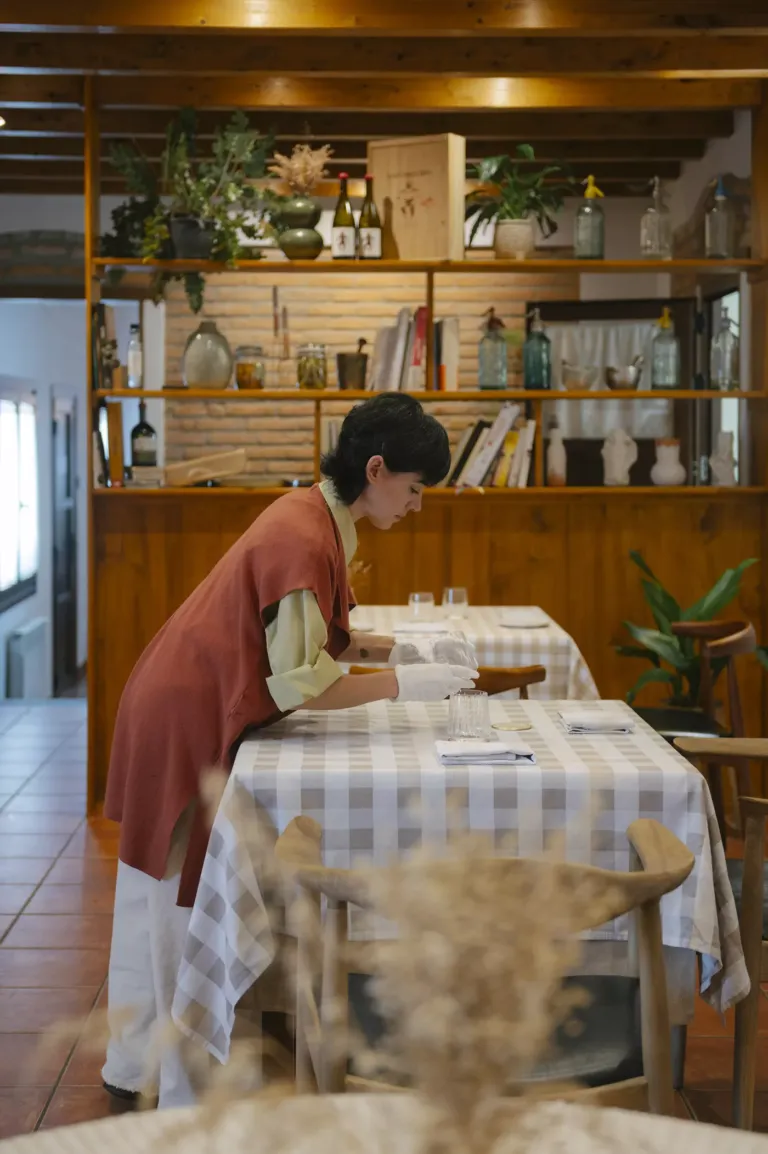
(342, 243)
(134, 368)
(144, 451)
(370, 244)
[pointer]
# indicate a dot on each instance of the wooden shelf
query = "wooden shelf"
(698, 492)
(176, 394)
(268, 265)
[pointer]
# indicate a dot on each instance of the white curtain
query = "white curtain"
(602, 345)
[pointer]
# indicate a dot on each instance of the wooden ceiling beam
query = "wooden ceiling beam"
(703, 55)
(41, 91)
(399, 17)
(321, 126)
(419, 95)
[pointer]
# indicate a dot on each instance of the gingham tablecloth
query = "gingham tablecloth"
(371, 778)
(497, 645)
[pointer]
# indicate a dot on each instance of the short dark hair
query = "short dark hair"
(395, 427)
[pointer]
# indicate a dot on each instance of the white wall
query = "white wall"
(731, 154)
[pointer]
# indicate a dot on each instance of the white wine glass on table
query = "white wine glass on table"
(422, 606)
(455, 602)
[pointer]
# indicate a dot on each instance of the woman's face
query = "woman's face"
(388, 497)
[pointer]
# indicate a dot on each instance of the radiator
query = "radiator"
(27, 674)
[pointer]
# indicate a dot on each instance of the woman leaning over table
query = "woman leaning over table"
(260, 637)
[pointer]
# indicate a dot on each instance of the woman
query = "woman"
(260, 637)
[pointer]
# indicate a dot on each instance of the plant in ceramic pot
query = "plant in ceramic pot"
(515, 197)
(295, 224)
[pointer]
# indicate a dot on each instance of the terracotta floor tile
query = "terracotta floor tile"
(31, 1059)
(73, 1104)
(60, 932)
(90, 843)
(13, 898)
(681, 1109)
(715, 1108)
(71, 899)
(24, 871)
(85, 1066)
(57, 803)
(709, 1063)
(20, 845)
(707, 1023)
(31, 1011)
(60, 969)
(20, 1110)
(83, 871)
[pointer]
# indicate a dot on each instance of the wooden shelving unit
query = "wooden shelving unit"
(321, 396)
(268, 265)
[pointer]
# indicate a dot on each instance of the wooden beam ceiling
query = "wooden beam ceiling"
(668, 57)
(400, 17)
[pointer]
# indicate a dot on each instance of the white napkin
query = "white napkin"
(424, 627)
(524, 617)
(596, 721)
(476, 752)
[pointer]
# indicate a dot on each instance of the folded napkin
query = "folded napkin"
(524, 617)
(596, 721)
(424, 627)
(476, 752)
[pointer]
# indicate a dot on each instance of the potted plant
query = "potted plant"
(674, 660)
(302, 171)
(514, 198)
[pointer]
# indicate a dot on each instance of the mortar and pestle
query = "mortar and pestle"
(351, 367)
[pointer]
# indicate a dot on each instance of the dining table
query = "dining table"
(376, 1124)
(503, 636)
(372, 778)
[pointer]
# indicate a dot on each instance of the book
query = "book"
(474, 453)
(475, 475)
(449, 354)
(456, 454)
(116, 464)
(501, 472)
(100, 473)
(474, 433)
(416, 370)
(525, 467)
(515, 465)
(394, 370)
(383, 350)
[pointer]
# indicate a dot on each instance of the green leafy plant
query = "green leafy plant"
(509, 192)
(674, 660)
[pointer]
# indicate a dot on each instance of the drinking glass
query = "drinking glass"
(469, 715)
(455, 601)
(422, 605)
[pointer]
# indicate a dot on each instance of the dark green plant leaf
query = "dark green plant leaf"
(666, 647)
(637, 651)
(636, 556)
(762, 655)
(660, 675)
(526, 151)
(663, 606)
(721, 594)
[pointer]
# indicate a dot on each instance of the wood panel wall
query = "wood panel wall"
(569, 555)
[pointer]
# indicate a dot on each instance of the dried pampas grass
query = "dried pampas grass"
(303, 169)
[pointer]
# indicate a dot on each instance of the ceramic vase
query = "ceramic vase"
(668, 470)
(514, 239)
(300, 240)
(208, 358)
(192, 240)
(619, 454)
(556, 458)
(722, 461)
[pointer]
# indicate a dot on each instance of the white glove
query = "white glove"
(454, 651)
(406, 653)
(432, 682)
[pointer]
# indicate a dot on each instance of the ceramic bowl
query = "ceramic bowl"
(578, 376)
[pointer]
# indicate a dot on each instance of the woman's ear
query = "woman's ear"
(374, 468)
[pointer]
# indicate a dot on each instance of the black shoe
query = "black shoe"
(124, 1095)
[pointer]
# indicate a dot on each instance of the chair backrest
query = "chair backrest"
(492, 680)
(664, 864)
(720, 641)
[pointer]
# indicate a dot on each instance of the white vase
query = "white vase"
(557, 458)
(208, 359)
(514, 239)
(722, 461)
(619, 454)
(668, 470)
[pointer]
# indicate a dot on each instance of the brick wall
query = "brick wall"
(335, 309)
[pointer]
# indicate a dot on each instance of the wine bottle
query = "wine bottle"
(143, 440)
(369, 233)
(343, 230)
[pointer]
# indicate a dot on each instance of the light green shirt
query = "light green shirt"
(296, 639)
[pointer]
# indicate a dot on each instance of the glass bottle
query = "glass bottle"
(724, 356)
(656, 228)
(718, 226)
(537, 355)
(311, 367)
(343, 229)
(135, 359)
(492, 353)
(369, 232)
(589, 228)
(250, 367)
(665, 362)
(143, 440)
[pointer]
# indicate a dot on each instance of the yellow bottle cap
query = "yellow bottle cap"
(591, 191)
(665, 320)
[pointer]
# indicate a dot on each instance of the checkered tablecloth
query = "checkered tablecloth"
(498, 646)
(371, 778)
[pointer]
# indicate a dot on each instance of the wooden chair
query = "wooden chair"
(664, 864)
(751, 892)
(492, 680)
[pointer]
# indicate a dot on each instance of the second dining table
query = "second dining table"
(372, 779)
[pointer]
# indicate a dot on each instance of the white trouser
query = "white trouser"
(148, 936)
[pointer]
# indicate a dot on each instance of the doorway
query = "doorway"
(64, 446)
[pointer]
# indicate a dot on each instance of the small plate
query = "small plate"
(512, 726)
(524, 617)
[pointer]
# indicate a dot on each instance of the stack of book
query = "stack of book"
(494, 454)
(400, 354)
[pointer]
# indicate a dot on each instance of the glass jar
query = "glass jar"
(311, 367)
(250, 367)
(207, 362)
(492, 361)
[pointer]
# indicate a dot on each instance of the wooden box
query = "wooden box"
(418, 185)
